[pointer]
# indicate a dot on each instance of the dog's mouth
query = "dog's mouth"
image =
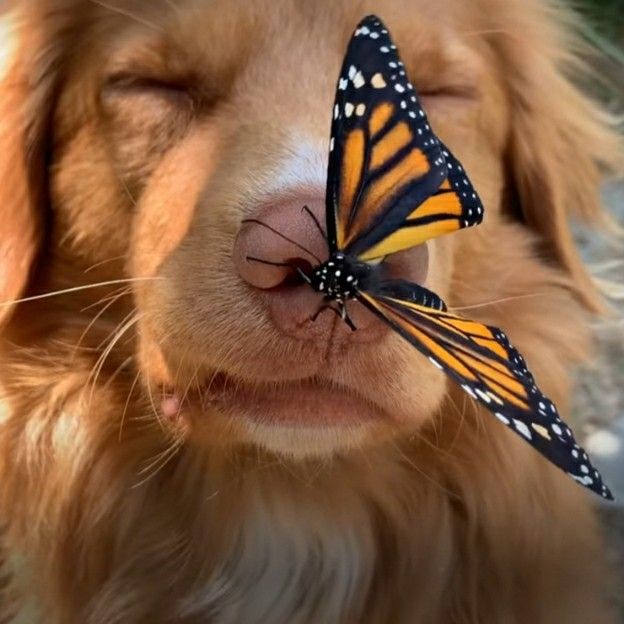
(305, 403)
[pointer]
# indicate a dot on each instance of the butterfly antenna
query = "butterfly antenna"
(316, 222)
(290, 240)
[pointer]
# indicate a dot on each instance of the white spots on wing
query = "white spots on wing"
(403, 104)
(582, 480)
(352, 71)
(384, 49)
(336, 111)
(502, 418)
(364, 30)
(469, 390)
(584, 469)
(541, 431)
(483, 395)
(392, 64)
(377, 81)
(556, 428)
(496, 398)
(374, 35)
(349, 108)
(399, 87)
(358, 80)
(412, 114)
(331, 144)
(360, 109)
(342, 84)
(435, 363)
(522, 428)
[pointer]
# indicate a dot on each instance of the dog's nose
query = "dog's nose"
(274, 240)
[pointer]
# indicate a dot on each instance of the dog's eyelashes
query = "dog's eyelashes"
(121, 84)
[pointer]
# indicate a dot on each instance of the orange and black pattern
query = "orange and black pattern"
(391, 185)
(485, 364)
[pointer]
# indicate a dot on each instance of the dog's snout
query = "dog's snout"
(270, 245)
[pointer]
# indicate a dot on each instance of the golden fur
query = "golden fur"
(111, 513)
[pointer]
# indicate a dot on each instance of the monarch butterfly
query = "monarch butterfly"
(393, 184)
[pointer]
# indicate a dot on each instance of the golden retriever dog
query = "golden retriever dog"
(179, 442)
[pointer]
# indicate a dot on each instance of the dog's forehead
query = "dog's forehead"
(277, 38)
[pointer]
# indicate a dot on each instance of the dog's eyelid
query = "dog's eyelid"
(127, 81)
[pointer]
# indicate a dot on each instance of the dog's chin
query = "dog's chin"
(299, 420)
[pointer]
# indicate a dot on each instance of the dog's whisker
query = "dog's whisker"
(128, 14)
(118, 370)
(94, 320)
(127, 403)
(74, 289)
(117, 293)
(103, 262)
(164, 458)
(155, 410)
(494, 302)
(126, 325)
(418, 469)
(150, 463)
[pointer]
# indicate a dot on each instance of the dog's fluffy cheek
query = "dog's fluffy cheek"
(92, 218)
(168, 204)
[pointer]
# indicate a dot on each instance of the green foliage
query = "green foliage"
(605, 18)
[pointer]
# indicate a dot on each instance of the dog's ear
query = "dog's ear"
(26, 94)
(560, 142)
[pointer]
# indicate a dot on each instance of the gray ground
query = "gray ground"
(599, 404)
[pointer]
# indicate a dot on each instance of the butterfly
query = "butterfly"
(391, 185)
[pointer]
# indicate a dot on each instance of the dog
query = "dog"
(180, 442)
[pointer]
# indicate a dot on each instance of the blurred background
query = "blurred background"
(599, 404)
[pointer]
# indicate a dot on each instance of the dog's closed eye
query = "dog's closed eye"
(145, 117)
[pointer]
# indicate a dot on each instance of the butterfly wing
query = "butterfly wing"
(453, 206)
(391, 184)
(485, 364)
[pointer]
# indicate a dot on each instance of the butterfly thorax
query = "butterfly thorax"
(339, 277)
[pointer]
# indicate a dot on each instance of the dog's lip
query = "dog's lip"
(306, 403)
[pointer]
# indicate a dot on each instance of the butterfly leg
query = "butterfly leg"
(322, 309)
(344, 315)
